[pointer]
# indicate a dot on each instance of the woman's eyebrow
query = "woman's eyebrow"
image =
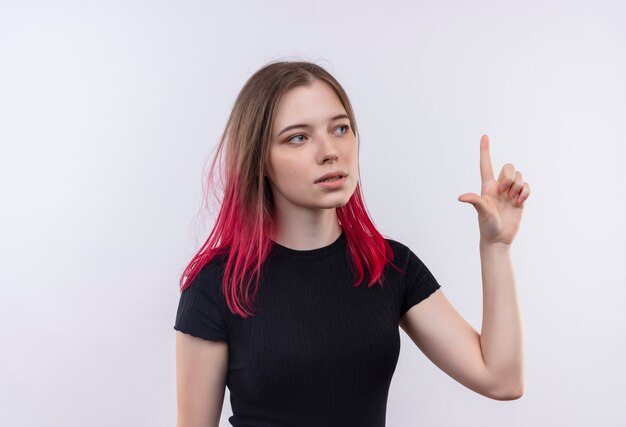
(304, 125)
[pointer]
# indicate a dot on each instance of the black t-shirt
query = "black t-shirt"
(318, 351)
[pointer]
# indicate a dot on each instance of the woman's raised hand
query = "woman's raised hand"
(501, 203)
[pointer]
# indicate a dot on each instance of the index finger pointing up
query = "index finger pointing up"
(486, 170)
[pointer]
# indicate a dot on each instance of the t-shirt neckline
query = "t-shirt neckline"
(312, 253)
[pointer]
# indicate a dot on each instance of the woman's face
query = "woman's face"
(323, 142)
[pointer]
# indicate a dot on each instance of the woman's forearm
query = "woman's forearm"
(501, 336)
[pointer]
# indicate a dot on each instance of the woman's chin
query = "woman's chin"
(338, 202)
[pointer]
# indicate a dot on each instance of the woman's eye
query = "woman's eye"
(294, 137)
(297, 142)
(344, 126)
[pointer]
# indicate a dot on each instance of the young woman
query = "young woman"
(295, 300)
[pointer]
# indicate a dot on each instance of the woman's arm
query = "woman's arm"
(453, 345)
(201, 368)
(490, 363)
(501, 335)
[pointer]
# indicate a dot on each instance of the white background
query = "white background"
(109, 111)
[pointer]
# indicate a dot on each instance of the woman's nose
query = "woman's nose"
(328, 148)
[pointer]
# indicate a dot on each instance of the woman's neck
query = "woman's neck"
(306, 237)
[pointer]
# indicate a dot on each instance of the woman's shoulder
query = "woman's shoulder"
(403, 254)
(398, 247)
(211, 271)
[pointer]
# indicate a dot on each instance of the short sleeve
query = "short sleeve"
(419, 284)
(199, 313)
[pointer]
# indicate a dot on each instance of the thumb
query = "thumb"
(473, 199)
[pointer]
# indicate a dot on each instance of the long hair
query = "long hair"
(246, 220)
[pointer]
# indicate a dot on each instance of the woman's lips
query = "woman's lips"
(336, 183)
